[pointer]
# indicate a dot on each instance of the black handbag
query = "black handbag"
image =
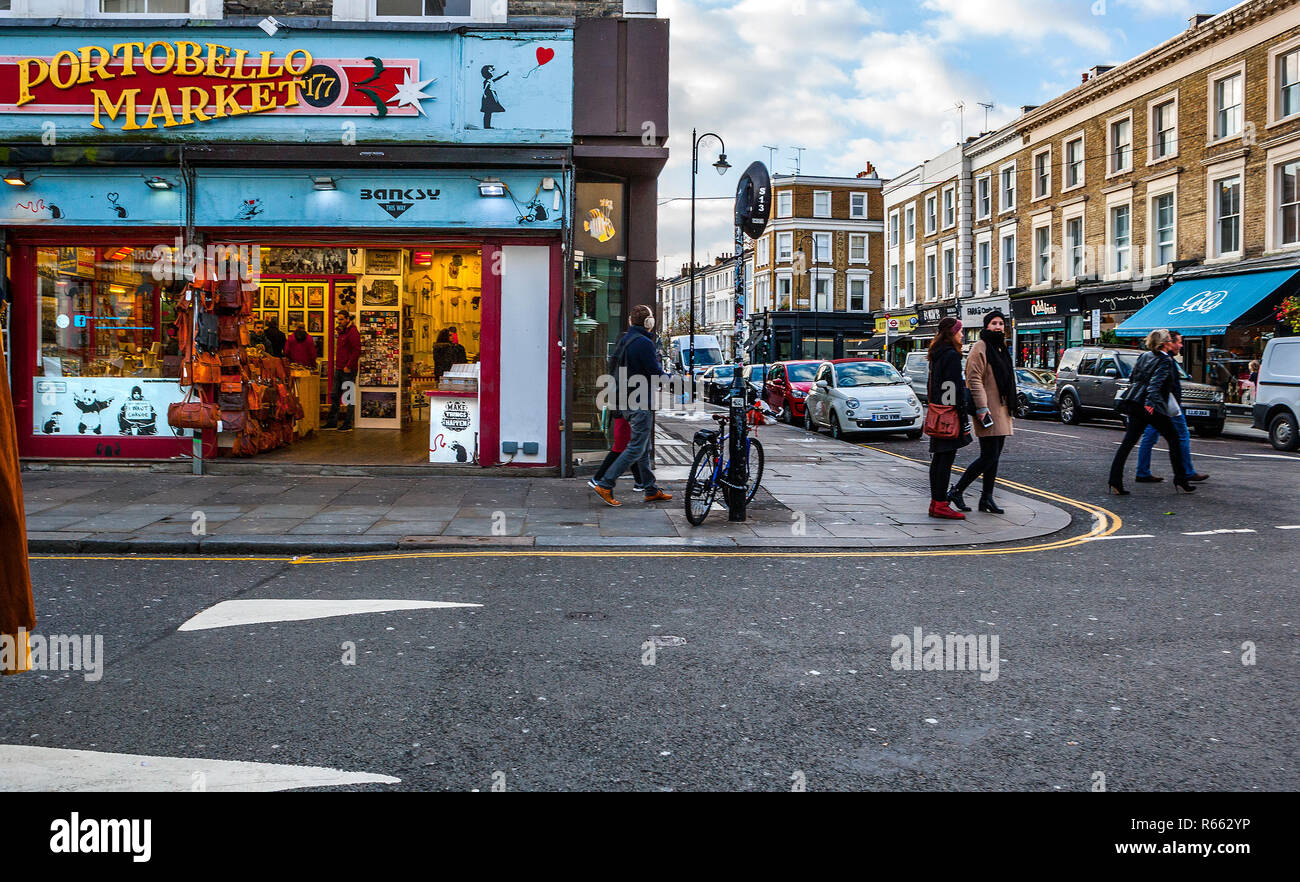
(207, 331)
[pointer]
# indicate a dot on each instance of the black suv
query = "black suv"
(1090, 378)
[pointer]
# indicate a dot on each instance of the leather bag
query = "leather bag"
(942, 421)
(191, 414)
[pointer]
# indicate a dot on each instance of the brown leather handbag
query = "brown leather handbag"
(206, 368)
(190, 414)
(233, 420)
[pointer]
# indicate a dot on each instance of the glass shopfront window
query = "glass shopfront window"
(1040, 349)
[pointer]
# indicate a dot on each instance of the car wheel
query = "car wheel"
(836, 432)
(1022, 407)
(808, 424)
(1213, 430)
(1069, 409)
(1283, 432)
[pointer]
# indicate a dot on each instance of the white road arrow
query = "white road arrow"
(252, 612)
(51, 769)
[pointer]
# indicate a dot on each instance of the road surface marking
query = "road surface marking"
(1290, 527)
(1206, 455)
(1272, 456)
(52, 769)
(1053, 434)
(1132, 536)
(1216, 532)
(252, 612)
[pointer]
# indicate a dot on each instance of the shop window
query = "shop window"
(147, 7)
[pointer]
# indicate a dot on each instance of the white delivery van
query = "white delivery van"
(708, 352)
(1277, 397)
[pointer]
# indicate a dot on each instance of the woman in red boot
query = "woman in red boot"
(947, 386)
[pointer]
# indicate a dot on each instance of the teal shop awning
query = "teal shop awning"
(1207, 307)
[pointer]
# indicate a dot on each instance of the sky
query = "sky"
(858, 81)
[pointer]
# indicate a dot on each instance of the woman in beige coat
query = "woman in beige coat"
(991, 379)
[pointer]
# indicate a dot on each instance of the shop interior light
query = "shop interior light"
(157, 183)
(491, 187)
(323, 182)
(16, 179)
(119, 253)
(422, 258)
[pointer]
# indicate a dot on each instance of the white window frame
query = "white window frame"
(948, 277)
(1006, 280)
(1034, 176)
(821, 275)
(1069, 272)
(949, 207)
(910, 277)
(894, 231)
(931, 274)
(909, 226)
(762, 292)
(365, 10)
(931, 216)
(784, 247)
(1152, 134)
(1041, 280)
(1275, 82)
(983, 270)
(894, 281)
(788, 280)
(1155, 190)
(853, 212)
(1120, 199)
(866, 254)
(763, 247)
(1276, 158)
(984, 200)
(1003, 204)
(1214, 174)
(1212, 107)
(817, 196)
(858, 276)
(1076, 138)
(1112, 169)
(822, 255)
(199, 9)
(785, 203)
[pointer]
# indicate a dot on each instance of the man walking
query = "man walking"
(1150, 436)
(347, 353)
(635, 357)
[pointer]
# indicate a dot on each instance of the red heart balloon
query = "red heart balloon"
(544, 55)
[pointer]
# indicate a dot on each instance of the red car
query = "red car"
(787, 386)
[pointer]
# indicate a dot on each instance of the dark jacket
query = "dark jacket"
(636, 354)
(347, 350)
(274, 341)
(946, 368)
(1155, 377)
(445, 355)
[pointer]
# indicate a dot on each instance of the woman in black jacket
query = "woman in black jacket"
(946, 385)
(1151, 400)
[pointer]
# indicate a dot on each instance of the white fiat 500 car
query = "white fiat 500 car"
(855, 395)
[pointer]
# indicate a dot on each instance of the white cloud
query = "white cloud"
(1025, 23)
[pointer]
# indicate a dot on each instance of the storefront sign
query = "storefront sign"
(1044, 312)
(1120, 302)
(973, 311)
(104, 406)
(905, 322)
(600, 220)
(393, 87)
(932, 315)
(1041, 307)
(453, 428)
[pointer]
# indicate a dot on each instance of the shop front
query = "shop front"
(893, 339)
(1045, 326)
(795, 335)
(347, 202)
(973, 312)
(1106, 307)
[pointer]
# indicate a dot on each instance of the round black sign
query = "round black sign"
(754, 200)
(321, 86)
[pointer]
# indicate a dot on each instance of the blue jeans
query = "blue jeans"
(638, 451)
(1149, 441)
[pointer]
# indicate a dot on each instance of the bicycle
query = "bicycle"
(710, 468)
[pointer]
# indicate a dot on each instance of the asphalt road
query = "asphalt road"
(1121, 656)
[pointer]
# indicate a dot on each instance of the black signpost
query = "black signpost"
(753, 208)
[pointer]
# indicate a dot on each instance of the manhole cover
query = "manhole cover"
(665, 640)
(585, 616)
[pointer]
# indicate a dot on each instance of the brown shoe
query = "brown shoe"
(607, 495)
(658, 496)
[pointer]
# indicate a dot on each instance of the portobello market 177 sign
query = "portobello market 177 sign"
(137, 86)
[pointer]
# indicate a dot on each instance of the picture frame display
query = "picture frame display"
(315, 323)
(271, 296)
(315, 296)
(295, 318)
(297, 296)
(380, 292)
(384, 261)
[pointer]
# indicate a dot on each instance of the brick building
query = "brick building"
(1182, 164)
(818, 267)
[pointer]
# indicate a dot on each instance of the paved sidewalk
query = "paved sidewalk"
(815, 493)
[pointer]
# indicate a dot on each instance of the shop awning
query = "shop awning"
(1207, 306)
(875, 344)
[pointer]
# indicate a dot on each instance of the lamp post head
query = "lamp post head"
(722, 165)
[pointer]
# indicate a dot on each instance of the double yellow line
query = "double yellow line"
(1105, 523)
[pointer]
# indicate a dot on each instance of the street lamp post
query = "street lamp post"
(722, 166)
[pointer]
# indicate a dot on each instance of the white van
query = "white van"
(1277, 396)
(708, 352)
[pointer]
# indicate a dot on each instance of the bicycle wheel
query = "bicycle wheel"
(700, 486)
(753, 469)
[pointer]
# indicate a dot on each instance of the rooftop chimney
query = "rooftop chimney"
(1100, 69)
(1197, 20)
(1025, 108)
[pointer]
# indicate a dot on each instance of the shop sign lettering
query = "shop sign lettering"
(410, 194)
(1042, 307)
(1203, 302)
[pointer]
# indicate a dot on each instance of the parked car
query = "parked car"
(1277, 400)
(755, 377)
(788, 383)
(917, 371)
(715, 382)
(1035, 393)
(1090, 379)
(859, 395)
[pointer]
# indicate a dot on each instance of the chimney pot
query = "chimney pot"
(1197, 20)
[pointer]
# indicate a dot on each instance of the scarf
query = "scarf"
(1000, 360)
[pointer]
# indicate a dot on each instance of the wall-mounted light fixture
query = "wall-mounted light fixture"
(16, 179)
(270, 25)
(157, 183)
(491, 187)
(323, 182)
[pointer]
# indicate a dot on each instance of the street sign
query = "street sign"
(893, 324)
(753, 200)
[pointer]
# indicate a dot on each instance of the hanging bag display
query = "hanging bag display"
(205, 368)
(207, 331)
(191, 414)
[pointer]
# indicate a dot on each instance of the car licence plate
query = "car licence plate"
(1200, 413)
(884, 417)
